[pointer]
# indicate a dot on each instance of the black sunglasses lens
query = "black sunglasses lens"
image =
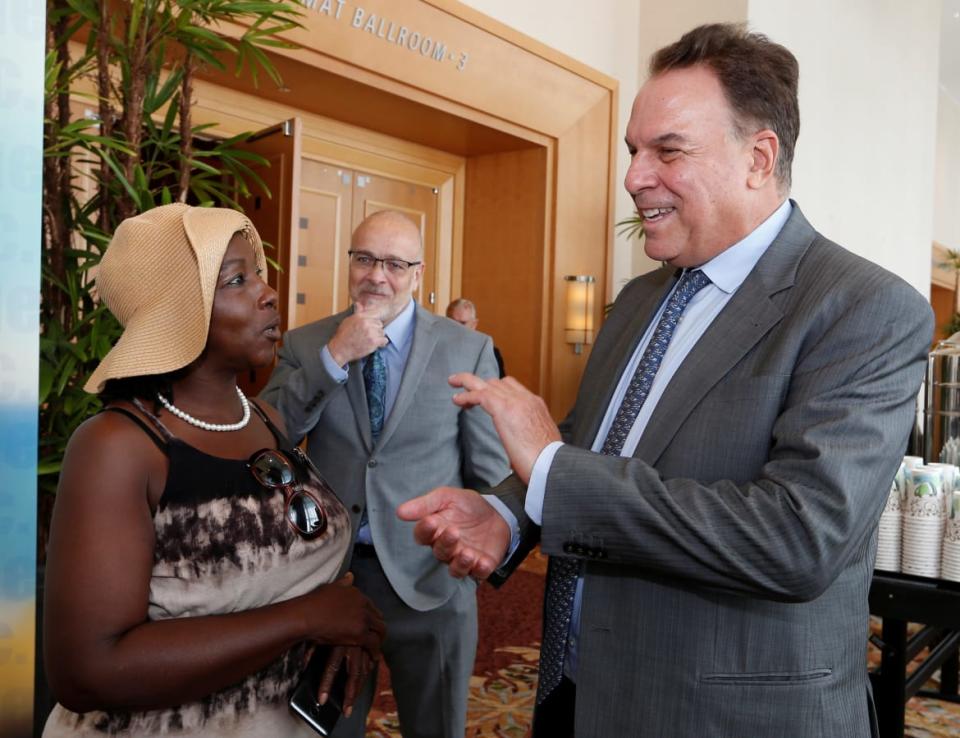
(306, 515)
(272, 470)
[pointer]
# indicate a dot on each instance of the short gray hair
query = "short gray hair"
(461, 302)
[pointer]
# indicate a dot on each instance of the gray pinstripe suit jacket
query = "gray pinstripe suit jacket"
(727, 564)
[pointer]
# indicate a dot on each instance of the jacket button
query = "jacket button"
(567, 548)
(356, 509)
(372, 463)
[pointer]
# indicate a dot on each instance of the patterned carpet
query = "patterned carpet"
(504, 683)
(925, 717)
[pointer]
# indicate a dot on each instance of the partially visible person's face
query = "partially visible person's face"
(244, 322)
(688, 168)
(465, 317)
(384, 238)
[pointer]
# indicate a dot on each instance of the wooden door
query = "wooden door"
(326, 199)
(274, 211)
(372, 193)
(334, 200)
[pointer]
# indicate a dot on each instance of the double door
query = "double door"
(306, 208)
(334, 200)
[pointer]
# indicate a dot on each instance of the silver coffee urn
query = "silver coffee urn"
(941, 426)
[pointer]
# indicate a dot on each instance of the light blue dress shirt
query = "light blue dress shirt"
(727, 271)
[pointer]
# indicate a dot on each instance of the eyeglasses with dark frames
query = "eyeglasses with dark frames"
(366, 262)
(274, 470)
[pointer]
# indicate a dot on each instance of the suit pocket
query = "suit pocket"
(768, 678)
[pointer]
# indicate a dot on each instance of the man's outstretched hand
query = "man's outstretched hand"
(521, 418)
(464, 531)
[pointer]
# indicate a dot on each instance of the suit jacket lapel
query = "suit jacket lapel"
(424, 341)
(746, 318)
(358, 400)
(356, 392)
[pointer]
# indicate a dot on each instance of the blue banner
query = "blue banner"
(21, 150)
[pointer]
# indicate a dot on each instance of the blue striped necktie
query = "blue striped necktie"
(562, 572)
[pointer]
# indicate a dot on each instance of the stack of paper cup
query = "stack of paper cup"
(891, 520)
(912, 461)
(951, 476)
(950, 568)
(950, 453)
(923, 522)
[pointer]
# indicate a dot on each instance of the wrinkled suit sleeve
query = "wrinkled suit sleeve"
(300, 386)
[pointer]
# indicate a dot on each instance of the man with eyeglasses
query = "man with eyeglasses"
(368, 388)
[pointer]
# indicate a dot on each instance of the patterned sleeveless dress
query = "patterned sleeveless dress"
(223, 545)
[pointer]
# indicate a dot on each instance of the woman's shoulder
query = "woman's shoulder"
(120, 421)
(118, 435)
(112, 452)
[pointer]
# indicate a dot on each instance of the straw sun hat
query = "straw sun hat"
(158, 277)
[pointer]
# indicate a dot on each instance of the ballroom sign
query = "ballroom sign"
(391, 31)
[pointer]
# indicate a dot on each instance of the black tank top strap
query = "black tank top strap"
(155, 421)
(152, 434)
(279, 435)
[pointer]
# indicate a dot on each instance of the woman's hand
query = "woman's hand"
(359, 666)
(343, 616)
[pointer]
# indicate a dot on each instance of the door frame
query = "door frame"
(514, 93)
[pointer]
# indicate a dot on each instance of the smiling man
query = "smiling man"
(710, 504)
(368, 388)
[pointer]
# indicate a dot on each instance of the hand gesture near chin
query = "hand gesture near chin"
(358, 335)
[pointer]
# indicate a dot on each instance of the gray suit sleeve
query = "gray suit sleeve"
(300, 386)
(786, 534)
(512, 492)
(485, 462)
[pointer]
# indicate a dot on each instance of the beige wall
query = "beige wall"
(946, 214)
(602, 35)
(864, 168)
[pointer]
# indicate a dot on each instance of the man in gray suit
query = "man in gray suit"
(368, 388)
(710, 504)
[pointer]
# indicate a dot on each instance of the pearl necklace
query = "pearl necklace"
(242, 423)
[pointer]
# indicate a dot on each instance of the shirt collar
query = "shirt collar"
(730, 267)
(400, 329)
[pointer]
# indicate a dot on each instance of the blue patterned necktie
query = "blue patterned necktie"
(375, 382)
(562, 572)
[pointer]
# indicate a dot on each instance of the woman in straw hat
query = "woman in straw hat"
(193, 551)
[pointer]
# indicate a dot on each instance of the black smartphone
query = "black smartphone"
(303, 701)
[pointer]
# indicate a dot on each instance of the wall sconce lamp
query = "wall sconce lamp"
(579, 325)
